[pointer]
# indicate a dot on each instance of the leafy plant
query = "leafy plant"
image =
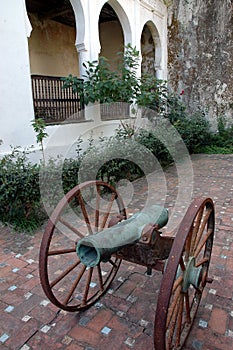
(115, 158)
(19, 191)
(152, 95)
(194, 129)
(39, 127)
(152, 143)
(102, 84)
(219, 142)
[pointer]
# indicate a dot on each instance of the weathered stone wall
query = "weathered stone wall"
(200, 54)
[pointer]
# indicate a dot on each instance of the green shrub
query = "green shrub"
(216, 150)
(19, 191)
(194, 129)
(51, 183)
(70, 174)
(154, 145)
(220, 142)
(113, 159)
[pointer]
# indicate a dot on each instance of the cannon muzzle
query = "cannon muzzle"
(100, 246)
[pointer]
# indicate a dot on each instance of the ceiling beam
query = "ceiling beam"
(53, 14)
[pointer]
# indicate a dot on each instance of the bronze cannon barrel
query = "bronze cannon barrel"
(98, 247)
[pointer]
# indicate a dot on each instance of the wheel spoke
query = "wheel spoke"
(173, 305)
(177, 283)
(84, 300)
(187, 307)
(203, 242)
(173, 321)
(97, 212)
(61, 251)
(105, 218)
(196, 228)
(74, 285)
(65, 273)
(182, 265)
(100, 278)
(85, 215)
(71, 227)
(112, 263)
(202, 262)
(179, 320)
(188, 244)
(202, 227)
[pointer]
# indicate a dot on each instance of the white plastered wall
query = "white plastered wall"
(16, 107)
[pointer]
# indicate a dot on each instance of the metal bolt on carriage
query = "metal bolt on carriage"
(88, 235)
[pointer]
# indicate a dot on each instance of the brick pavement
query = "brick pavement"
(123, 318)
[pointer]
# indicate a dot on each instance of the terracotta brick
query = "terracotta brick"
(17, 263)
(43, 341)
(144, 342)
(85, 335)
(116, 303)
(25, 307)
(118, 323)
(42, 314)
(10, 324)
(64, 325)
(229, 264)
(23, 334)
(74, 346)
(230, 325)
(125, 290)
(114, 341)
(13, 297)
(100, 320)
(218, 321)
(26, 270)
(6, 272)
(30, 283)
(216, 250)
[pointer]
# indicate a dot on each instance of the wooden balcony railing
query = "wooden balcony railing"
(115, 110)
(53, 103)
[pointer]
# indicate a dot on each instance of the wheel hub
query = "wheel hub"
(192, 275)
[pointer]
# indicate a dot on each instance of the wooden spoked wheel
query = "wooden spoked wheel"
(85, 210)
(185, 276)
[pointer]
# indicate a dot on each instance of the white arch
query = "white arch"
(157, 43)
(80, 24)
(123, 18)
(83, 33)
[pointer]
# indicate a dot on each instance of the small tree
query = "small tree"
(103, 85)
(39, 128)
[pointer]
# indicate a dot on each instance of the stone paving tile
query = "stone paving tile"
(124, 317)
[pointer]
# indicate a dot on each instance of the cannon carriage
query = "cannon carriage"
(89, 234)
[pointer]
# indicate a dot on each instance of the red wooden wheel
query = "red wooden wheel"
(185, 276)
(86, 209)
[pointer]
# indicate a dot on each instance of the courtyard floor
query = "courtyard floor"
(124, 317)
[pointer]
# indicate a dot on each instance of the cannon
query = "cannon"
(88, 235)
